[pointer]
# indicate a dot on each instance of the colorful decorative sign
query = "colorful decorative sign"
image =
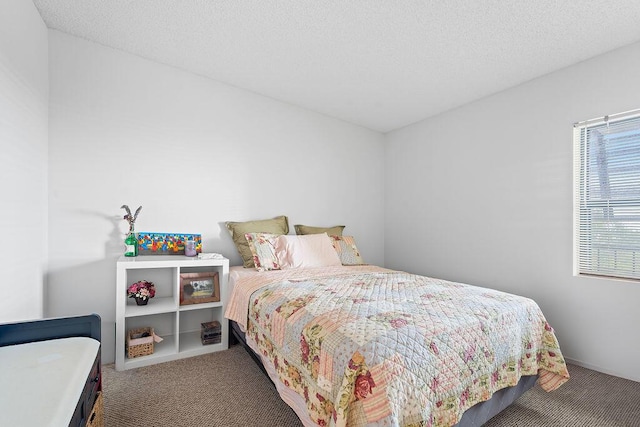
(166, 243)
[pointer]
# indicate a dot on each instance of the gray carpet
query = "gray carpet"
(228, 389)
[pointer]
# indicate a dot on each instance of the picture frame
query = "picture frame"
(151, 243)
(197, 288)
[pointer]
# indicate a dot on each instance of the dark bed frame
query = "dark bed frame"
(475, 416)
(237, 337)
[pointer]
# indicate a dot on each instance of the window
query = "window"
(607, 196)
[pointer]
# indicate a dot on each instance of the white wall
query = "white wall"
(483, 195)
(193, 153)
(24, 92)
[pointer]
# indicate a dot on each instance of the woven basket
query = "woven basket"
(137, 347)
(96, 417)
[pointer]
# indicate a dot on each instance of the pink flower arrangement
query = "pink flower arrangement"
(142, 289)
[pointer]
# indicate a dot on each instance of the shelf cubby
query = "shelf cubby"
(178, 325)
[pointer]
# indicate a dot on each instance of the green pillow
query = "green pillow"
(277, 225)
(336, 230)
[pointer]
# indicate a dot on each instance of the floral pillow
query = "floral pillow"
(262, 246)
(277, 225)
(347, 250)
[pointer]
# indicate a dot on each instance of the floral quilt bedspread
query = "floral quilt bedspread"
(390, 348)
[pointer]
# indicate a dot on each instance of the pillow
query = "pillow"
(336, 230)
(346, 248)
(277, 225)
(313, 250)
(262, 246)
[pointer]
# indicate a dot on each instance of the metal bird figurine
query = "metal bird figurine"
(131, 219)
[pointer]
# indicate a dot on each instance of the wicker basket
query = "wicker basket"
(137, 345)
(96, 417)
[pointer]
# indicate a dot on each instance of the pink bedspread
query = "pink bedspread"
(369, 346)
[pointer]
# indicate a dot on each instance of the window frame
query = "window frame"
(597, 226)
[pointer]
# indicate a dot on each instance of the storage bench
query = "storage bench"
(51, 373)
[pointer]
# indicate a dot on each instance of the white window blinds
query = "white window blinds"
(607, 196)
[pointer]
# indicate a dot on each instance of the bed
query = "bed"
(363, 345)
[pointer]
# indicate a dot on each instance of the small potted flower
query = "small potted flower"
(142, 291)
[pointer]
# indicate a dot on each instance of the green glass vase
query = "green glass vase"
(131, 244)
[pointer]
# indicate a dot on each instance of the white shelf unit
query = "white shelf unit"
(179, 326)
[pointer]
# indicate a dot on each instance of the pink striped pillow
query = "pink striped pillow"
(310, 250)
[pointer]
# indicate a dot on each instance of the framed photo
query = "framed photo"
(196, 288)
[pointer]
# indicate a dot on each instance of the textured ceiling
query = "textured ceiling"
(380, 64)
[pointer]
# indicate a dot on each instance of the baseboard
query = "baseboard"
(599, 369)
